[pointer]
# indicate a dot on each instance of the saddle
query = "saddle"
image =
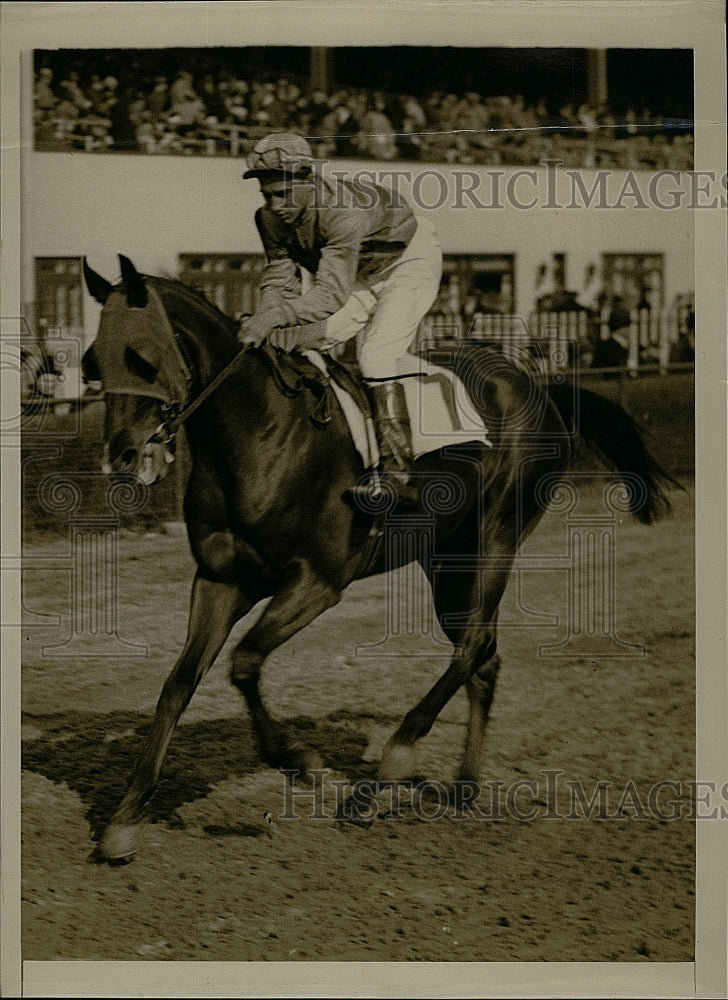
(440, 409)
(293, 372)
(441, 412)
(439, 404)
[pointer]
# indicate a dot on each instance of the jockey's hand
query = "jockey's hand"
(253, 330)
(312, 336)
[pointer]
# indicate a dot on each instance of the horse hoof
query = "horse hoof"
(120, 842)
(397, 763)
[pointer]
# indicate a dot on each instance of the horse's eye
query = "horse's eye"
(142, 359)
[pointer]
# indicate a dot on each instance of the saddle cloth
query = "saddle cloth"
(441, 412)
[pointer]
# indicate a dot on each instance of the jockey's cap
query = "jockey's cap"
(279, 154)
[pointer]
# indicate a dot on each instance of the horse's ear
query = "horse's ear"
(136, 293)
(99, 288)
(142, 357)
(90, 366)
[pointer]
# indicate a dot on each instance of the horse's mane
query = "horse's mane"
(198, 297)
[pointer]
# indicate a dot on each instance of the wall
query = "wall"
(153, 208)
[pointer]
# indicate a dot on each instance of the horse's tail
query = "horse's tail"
(615, 438)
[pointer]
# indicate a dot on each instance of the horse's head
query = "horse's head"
(136, 358)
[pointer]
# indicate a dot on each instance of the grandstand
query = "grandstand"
(479, 106)
(153, 120)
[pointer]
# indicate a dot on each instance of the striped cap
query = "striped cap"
(279, 153)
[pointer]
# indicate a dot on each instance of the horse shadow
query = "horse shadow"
(94, 754)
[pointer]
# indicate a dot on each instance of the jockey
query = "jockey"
(376, 271)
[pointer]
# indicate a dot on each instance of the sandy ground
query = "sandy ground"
(217, 879)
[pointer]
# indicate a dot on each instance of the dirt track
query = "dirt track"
(216, 881)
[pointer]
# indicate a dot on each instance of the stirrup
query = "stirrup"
(381, 492)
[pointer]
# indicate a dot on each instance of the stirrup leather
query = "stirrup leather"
(392, 425)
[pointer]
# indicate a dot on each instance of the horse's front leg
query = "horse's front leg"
(215, 607)
(301, 599)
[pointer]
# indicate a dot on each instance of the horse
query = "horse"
(267, 515)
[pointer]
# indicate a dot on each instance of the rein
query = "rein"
(168, 429)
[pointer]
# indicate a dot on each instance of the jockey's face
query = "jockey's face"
(287, 199)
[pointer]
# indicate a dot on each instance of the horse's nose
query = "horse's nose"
(127, 462)
(124, 456)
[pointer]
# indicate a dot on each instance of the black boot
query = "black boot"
(394, 437)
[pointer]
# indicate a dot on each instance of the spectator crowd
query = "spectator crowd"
(596, 321)
(225, 113)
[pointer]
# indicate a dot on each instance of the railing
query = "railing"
(90, 134)
(93, 134)
(561, 341)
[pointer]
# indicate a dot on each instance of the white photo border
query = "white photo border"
(698, 24)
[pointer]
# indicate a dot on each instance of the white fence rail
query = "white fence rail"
(560, 341)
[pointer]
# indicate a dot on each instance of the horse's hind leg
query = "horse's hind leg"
(215, 607)
(481, 688)
(397, 759)
(296, 604)
(474, 598)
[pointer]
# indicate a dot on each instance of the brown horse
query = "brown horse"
(267, 518)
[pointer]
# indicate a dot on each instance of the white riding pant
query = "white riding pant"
(387, 315)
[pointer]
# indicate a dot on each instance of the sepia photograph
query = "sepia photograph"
(364, 518)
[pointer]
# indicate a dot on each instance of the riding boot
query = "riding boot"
(394, 438)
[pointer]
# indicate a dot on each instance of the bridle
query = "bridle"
(290, 377)
(173, 416)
